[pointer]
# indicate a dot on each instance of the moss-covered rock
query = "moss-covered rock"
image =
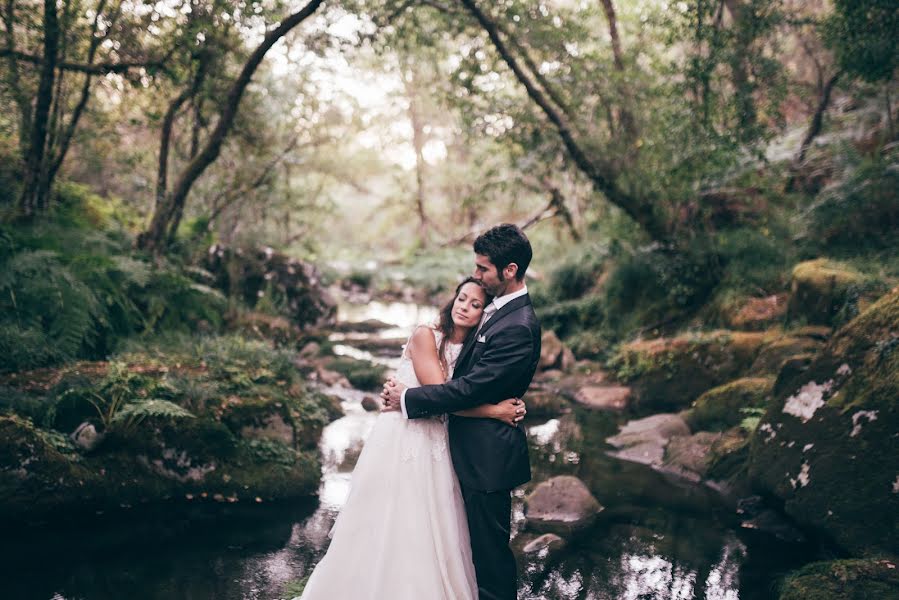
(36, 472)
(822, 446)
(758, 314)
(772, 356)
(821, 289)
(728, 455)
(669, 373)
(245, 426)
(857, 579)
(722, 407)
(361, 374)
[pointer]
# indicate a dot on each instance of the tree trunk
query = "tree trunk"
(626, 118)
(814, 129)
(167, 215)
(33, 193)
(418, 143)
(640, 210)
(743, 88)
(13, 80)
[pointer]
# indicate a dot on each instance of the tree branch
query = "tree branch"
(94, 69)
(640, 210)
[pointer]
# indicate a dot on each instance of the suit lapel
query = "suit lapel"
(497, 316)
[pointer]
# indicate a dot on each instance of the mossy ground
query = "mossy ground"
(871, 579)
(230, 386)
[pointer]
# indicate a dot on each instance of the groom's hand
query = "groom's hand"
(391, 394)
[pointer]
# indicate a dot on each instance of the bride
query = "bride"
(402, 533)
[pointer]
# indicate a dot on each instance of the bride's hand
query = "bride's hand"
(510, 411)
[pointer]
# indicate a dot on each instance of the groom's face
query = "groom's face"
(487, 273)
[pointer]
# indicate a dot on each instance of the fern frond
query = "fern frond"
(156, 408)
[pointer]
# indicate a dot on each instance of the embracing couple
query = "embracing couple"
(428, 516)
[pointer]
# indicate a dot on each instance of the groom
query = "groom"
(490, 458)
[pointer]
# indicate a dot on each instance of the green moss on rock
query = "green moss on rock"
(728, 455)
(361, 374)
(822, 446)
(821, 289)
(771, 358)
(720, 407)
(34, 474)
(864, 579)
(669, 373)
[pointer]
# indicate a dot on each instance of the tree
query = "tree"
(104, 39)
(169, 211)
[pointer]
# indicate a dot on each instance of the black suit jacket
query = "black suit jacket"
(497, 363)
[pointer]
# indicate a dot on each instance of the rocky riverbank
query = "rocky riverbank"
(223, 419)
(791, 419)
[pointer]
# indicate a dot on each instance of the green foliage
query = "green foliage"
(861, 214)
(295, 587)
(571, 316)
(656, 286)
(268, 450)
(71, 289)
(119, 388)
(243, 363)
(10, 175)
(48, 314)
(173, 302)
(863, 36)
(132, 414)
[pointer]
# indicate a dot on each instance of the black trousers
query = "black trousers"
(489, 524)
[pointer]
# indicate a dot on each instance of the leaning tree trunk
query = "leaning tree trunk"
(640, 209)
(168, 213)
(34, 193)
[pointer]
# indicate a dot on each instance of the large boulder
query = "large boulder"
(688, 455)
(758, 314)
(562, 505)
(822, 446)
(821, 288)
(644, 440)
(724, 406)
(854, 579)
(669, 373)
(604, 397)
(553, 353)
(773, 355)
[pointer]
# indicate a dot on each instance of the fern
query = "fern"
(41, 297)
(134, 413)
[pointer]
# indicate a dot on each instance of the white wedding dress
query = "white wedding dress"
(402, 534)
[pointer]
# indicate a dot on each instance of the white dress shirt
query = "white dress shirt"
(498, 303)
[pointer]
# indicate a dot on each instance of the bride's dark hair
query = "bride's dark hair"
(446, 326)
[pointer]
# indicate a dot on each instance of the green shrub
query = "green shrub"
(862, 213)
(46, 313)
(572, 316)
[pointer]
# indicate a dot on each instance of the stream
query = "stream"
(659, 538)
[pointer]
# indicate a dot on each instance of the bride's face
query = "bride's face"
(469, 305)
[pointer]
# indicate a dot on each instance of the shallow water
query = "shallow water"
(658, 537)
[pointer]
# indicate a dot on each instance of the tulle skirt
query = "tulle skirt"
(402, 534)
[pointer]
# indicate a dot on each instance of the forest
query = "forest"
(220, 221)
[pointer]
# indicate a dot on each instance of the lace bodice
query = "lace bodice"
(425, 436)
(405, 373)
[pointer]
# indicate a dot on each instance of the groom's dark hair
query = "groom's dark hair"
(503, 245)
